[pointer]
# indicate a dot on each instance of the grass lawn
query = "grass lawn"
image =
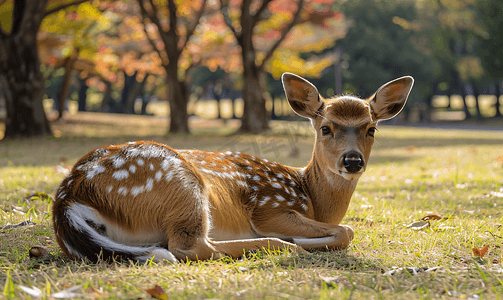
(413, 173)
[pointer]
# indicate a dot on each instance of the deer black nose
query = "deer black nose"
(353, 161)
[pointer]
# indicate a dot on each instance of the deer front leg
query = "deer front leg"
(236, 248)
(305, 232)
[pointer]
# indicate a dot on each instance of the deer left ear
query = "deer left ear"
(302, 95)
(390, 98)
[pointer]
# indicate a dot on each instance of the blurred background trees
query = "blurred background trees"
(109, 56)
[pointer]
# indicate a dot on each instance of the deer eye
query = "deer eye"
(325, 130)
(372, 131)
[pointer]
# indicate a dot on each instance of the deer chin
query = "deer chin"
(350, 176)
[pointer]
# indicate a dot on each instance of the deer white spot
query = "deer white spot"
(170, 162)
(293, 193)
(158, 176)
(151, 166)
(253, 198)
(109, 189)
(132, 168)
(290, 203)
(280, 198)
(303, 197)
(292, 183)
(137, 190)
(279, 175)
(276, 185)
(140, 162)
(249, 168)
(95, 171)
(121, 174)
(241, 183)
(149, 184)
(254, 188)
(118, 162)
(264, 200)
(169, 176)
(122, 191)
(275, 204)
(304, 207)
(69, 182)
(256, 178)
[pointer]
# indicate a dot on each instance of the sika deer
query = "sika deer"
(144, 200)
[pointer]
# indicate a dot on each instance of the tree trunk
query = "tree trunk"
(20, 72)
(255, 118)
(135, 90)
(24, 88)
(476, 94)
(178, 100)
(82, 94)
(498, 95)
(468, 115)
(107, 96)
(63, 90)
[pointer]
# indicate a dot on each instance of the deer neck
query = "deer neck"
(330, 193)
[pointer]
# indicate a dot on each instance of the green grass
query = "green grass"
(413, 172)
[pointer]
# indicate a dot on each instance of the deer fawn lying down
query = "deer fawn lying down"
(144, 200)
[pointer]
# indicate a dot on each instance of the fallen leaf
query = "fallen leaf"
(480, 252)
(435, 217)
(499, 158)
(431, 217)
(69, 293)
(38, 252)
(22, 224)
(411, 148)
(31, 291)
(418, 225)
(158, 293)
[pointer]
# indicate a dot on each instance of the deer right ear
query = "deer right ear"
(302, 95)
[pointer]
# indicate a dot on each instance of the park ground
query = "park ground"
(423, 214)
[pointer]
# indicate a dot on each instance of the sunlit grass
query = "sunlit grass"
(413, 173)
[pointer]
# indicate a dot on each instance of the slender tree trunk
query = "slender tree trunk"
(476, 94)
(134, 92)
(82, 94)
(63, 90)
(468, 115)
(498, 95)
(106, 96)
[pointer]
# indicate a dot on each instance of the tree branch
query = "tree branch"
(63, 6)
(285, 32)
(145, 15)
(263, 7)
(224, 8)
(191, 30)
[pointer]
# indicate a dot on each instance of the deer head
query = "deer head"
(345, 125)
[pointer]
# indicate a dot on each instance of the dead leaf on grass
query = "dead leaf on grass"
(31, 291)
(480, 252)
(38, 252)
(158, 293)
(22, 224)
(418, 225)
(435, 217)
(69, 293)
